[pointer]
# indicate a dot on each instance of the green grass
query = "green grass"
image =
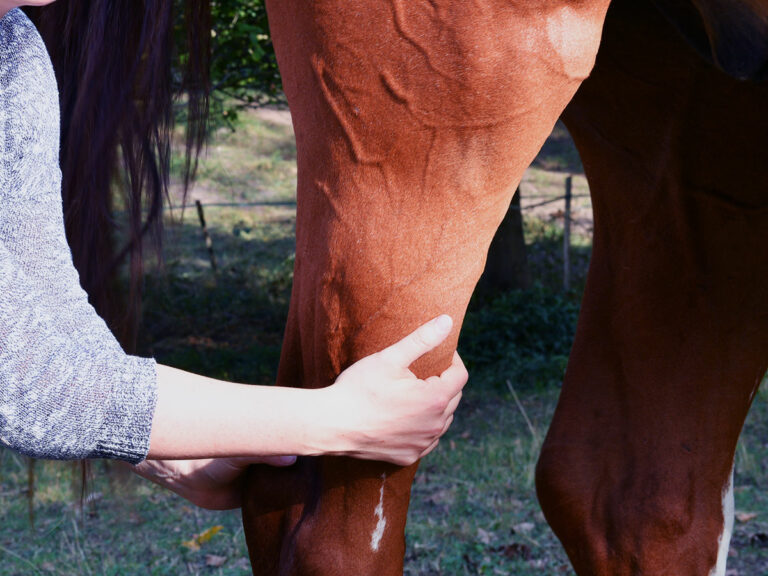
(473, 509)
(257, 161)
(128, 527)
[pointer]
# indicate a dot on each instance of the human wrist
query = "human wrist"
(328, 431)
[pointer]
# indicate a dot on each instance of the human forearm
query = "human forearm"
(377, 409)
(199, 417)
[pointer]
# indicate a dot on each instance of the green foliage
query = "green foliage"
(243, 69)
(128, 527)
(473, 506)
(524, 336)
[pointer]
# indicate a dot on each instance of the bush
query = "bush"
(522, 335)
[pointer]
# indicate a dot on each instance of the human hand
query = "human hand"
(381, 411)
(214, 483)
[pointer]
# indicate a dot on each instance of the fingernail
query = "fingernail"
(443, 323)
(287, 460)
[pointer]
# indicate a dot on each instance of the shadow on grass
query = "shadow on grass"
(226, 323)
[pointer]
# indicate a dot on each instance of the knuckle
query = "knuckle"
(438, 403)
(437, 429)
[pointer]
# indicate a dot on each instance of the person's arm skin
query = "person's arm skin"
(377, 409)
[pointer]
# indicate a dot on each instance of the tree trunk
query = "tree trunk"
(507, 264)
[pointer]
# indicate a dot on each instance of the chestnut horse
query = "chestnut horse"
(414, 123)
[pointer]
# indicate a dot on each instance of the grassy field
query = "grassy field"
(473, 510)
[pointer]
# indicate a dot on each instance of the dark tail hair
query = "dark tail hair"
(121, 65)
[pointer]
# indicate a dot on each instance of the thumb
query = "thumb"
(425, 338)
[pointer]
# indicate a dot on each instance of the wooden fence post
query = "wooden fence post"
(567, 234)
(206, 235)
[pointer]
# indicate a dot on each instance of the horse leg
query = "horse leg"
(414, 123)
(672, 340)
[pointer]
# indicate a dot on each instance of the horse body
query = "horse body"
(414, 123)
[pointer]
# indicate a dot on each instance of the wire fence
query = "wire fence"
(292, 203)
(264, 203)
(543, 200)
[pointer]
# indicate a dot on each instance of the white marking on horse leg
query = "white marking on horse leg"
(725, 536)
(378, 532)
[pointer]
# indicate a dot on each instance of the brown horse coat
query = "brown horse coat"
(673, 336)
(414, 123)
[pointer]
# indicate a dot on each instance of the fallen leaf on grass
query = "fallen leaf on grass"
(199, 539)
(135, 518)
(484, 537)
(191, 545)
(523, 527)
(214, 560)
(745, 517)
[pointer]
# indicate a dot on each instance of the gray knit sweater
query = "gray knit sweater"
(67, 389)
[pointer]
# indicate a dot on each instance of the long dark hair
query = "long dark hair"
(121, 65)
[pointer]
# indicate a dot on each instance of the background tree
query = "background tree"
(507, 265)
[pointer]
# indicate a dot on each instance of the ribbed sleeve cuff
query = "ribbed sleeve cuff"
(128, 423)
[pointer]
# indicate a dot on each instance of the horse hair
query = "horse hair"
(119, 71)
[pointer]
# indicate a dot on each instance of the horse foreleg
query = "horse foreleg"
(673, 337)
(414, 123)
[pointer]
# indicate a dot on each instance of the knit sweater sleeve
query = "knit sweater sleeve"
(67, 389)
(58, 398)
